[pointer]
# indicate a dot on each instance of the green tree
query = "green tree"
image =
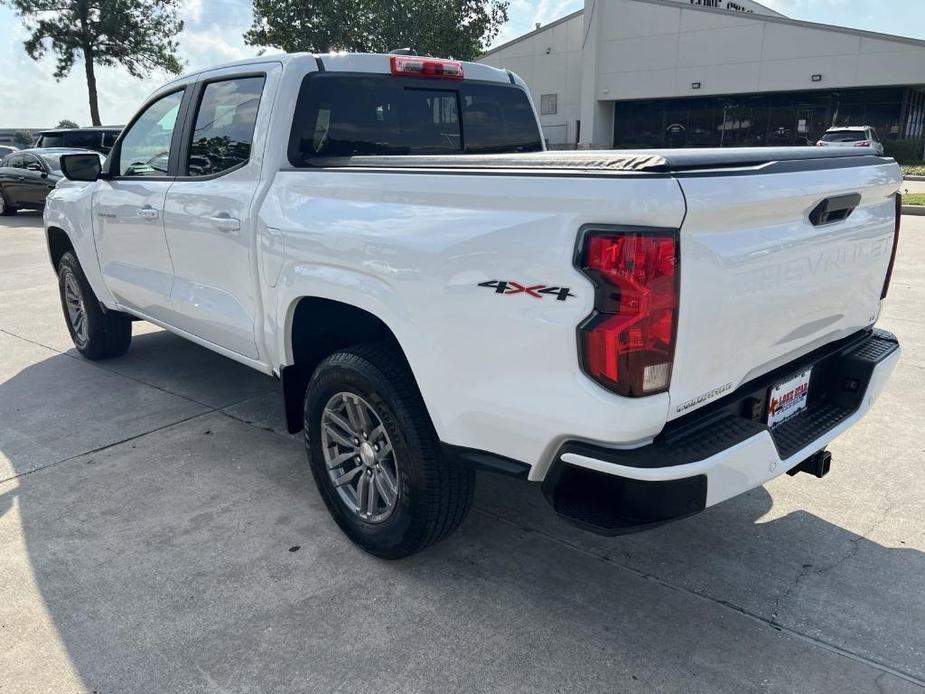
(139, 35)
(459, 28)
(65, 123)
(22, 138)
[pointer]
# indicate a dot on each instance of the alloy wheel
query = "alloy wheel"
(359, 457)
(76, 311)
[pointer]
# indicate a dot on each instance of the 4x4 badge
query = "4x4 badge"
(537, 291)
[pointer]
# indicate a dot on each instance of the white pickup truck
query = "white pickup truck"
(646, 334)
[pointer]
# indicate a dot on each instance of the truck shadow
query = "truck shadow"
(202, 554)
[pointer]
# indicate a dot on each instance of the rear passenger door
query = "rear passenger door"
(210, 218)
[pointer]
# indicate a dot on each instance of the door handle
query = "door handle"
(225, 222)
(834, 209)
(20, 178)
(148, 213)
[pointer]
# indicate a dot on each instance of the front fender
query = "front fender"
(68, 208)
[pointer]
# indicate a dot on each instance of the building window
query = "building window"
(549, 104)
(757, 120)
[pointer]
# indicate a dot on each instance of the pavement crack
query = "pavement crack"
(102, 367)
(255, 425)
(108, 445)
(211, 410)
(854, 546)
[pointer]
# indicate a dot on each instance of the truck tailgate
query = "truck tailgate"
(760, 283)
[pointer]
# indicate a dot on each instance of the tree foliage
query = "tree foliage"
(459, 28)
(22, 138)
(65, 123)
(138, 35)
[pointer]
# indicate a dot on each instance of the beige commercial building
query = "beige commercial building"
(698, 73)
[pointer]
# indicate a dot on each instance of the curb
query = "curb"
(915, 210)
(914, 178)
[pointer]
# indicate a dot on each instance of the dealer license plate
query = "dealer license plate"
(789, 398)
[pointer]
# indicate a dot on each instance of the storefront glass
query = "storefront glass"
(754, 120)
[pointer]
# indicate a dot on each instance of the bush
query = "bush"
(916, 169)
(904, 151)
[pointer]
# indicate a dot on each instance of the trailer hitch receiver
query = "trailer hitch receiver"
(817, 465)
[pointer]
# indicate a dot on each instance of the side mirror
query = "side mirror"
(81, 167)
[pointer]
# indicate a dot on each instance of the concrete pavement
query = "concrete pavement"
(159, 532)
(913, 186)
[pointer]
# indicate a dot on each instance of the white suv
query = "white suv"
(855, 136)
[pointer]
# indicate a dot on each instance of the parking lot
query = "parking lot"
(159, 531)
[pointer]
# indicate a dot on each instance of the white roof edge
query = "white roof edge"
(751, 16)
(256, 60)
(287, 58)
(771, 13)
(543, 28)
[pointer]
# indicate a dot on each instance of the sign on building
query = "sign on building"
(748, 6)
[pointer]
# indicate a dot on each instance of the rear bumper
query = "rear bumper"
(722, 450)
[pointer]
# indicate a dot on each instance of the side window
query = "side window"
(146, 147)
(15, 162)
(224, 130)
(87, 139)
(51, 140)
(31, 163)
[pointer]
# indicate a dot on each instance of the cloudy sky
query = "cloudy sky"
(32, 98)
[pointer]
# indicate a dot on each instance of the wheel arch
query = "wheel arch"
(316, 327)
(59, 243)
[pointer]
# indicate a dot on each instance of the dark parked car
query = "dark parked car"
(99, 139)
(27, 175)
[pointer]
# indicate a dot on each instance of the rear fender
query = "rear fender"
(356, 289)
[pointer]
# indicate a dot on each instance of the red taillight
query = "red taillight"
(627, 344)
(889, 269)
(413, 66)
(865, 143)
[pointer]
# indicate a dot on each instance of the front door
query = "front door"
(34, 183)
(11, 179)
(209, 212)
(129, 206)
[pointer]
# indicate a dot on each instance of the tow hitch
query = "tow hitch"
(817, 465)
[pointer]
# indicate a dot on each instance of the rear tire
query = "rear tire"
(97, 333)
(5, 208)
(371, 392)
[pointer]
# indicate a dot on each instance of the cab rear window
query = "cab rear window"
(845, 136)
(370, 115)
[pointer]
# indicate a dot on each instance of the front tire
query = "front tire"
(97, 333)
(375, 456)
